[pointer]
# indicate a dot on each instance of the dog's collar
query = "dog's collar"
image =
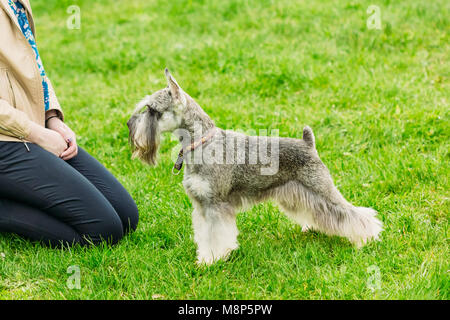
(184, 151)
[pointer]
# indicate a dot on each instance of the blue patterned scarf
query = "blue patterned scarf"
(20, 13)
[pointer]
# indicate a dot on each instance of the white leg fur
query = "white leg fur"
(301, 217)
(305, 228)
(215, 233)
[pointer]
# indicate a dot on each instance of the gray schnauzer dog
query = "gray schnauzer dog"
(224, 174)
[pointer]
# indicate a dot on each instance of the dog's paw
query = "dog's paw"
(205, 261)
(211, 259)
(306, 228)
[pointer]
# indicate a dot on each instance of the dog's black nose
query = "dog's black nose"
(128, 124)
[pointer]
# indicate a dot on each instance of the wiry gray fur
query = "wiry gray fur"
(302, 186)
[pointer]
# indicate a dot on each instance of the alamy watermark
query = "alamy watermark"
(374, 279)
(374, 19)
(74, 20)
(260, 148)
(74, 280)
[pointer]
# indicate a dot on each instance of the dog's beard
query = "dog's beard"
(144, 138)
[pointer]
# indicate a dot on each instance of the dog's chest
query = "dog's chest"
(197, 186)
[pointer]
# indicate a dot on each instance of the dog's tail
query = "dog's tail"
(308, 137)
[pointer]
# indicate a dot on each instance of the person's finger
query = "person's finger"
(70, 138)
(70, 150)
(69, 156)
(71, 141)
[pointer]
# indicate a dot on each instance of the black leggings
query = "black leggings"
(47, 199)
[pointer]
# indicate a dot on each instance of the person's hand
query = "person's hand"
(48, 139)
(67, 134)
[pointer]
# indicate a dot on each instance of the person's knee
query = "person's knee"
(109, 229)
(130, 217)
(112, 230)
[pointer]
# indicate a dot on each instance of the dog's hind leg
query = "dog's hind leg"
(215, 232)
(328, 212)
(297, 213)
(333, 214)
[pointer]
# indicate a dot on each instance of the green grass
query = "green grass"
(377, 101)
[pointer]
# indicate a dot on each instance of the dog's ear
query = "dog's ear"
(174, 87)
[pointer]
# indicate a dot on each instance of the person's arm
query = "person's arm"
(54, 120)
(15, 123)
(56, 125)
(55, 107)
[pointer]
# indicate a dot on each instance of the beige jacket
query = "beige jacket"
(21, 92)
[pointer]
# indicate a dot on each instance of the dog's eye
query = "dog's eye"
(154, 112)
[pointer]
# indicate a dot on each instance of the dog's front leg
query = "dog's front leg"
(215, 232)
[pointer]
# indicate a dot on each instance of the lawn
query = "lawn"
(377, 100)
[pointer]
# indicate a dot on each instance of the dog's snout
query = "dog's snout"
(129, 122)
